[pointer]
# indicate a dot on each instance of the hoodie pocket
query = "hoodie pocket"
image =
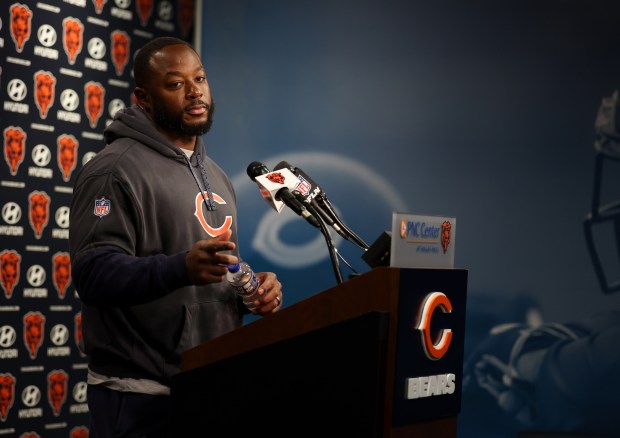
(207, 320)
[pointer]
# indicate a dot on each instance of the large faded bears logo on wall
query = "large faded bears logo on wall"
(269, 240)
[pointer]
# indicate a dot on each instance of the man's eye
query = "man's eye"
(201, 79)
(175, 84)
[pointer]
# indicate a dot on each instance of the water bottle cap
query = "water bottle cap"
(234, 268)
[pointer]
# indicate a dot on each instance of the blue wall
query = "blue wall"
(484, 112)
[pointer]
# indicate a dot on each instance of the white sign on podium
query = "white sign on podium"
(422, 241)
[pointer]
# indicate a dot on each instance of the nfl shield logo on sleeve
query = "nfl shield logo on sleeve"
(102, 207)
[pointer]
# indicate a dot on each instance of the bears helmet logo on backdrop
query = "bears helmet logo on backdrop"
(45, 91)
(7, 387)
(73, 32)
(21, 17)
(10, 267)
(14, 147)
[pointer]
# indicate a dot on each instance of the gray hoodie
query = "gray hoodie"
(138, 206)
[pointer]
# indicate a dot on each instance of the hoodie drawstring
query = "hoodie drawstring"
(210, 203)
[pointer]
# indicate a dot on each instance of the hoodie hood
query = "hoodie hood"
(133, 123)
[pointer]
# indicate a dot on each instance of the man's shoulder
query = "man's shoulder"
(119, 157)
(119, 151)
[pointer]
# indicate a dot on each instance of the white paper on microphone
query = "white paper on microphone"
(270, 183)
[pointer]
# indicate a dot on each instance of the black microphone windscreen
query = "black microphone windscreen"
(256, 168)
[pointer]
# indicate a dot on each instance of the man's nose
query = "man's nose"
(194, 92)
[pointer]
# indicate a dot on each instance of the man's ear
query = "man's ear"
(142, 98)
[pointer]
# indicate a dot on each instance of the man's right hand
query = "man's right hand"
(207, 261)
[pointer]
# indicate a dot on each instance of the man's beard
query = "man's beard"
(173, 122)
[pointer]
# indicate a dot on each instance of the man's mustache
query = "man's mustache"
(195, 103)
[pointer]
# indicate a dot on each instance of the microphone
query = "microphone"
(308, 188)
(275, 187)
(313, 195)
(308, 195)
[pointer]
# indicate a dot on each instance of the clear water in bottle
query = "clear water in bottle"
(241, 277)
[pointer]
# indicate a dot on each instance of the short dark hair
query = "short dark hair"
(141, 66)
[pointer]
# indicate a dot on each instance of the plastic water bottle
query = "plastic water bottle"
(244, 280)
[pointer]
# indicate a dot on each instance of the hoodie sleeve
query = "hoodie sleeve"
(106, 226)
(107, 276)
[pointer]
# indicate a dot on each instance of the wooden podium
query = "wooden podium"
(350, 361)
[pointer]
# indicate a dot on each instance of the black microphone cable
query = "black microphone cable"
(333, 252)
(324, 202)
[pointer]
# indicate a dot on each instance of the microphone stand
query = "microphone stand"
(333, 253)
(328, 206)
